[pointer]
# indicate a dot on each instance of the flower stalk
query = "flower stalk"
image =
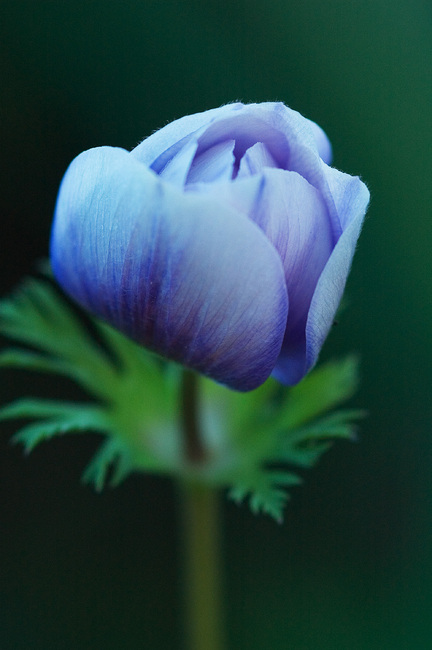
(203, 611)
(194, 450)
(201, 532)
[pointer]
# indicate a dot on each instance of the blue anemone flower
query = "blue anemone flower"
(223, 241)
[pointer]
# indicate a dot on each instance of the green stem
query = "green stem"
(200, 515)
(194, 448)
(202, 573)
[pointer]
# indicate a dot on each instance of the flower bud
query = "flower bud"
(223, 241)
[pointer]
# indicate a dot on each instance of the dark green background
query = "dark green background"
(351, 566)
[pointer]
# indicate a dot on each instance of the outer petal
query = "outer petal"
(322, 142)
(294, 218)
(184, 275)
(351, 198)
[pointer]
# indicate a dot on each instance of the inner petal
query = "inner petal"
(255, 159)
(247, 130)
(294, 217)
(214, 164)
(177, 169)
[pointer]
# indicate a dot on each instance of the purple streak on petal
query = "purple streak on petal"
(254, 160)
(183, 274)
(215, 164)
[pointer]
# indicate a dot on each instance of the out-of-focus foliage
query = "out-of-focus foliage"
(136, 405)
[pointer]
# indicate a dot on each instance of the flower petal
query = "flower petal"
(322, 142)
(215, 164)
(253, 122)
(351, 200)
(295, 143)
(172, 137)
(177, 169)
(185, 275)
(294, 218)
(255, 159)
(305, 143)
(246, 127)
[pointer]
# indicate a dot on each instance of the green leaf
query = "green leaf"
(111, 464)
(37, 316)
(135, 393)
(18, 358)
(323, 389)
(32, 434)
(305, 445)
(264, 488)
(284, 429)
(36, 408)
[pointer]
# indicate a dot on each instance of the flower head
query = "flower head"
(223, 241)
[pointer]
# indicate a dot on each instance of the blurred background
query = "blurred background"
(351, 567)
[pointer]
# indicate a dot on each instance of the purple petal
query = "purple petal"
(246, 128)
(294, 217)
(301, 139)
(215, 164)
(265, 122)
(255, 159)
(351, 200)
(176, 134)
(183, 274)
(177, 169)
(322, 142)
(295, 220)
